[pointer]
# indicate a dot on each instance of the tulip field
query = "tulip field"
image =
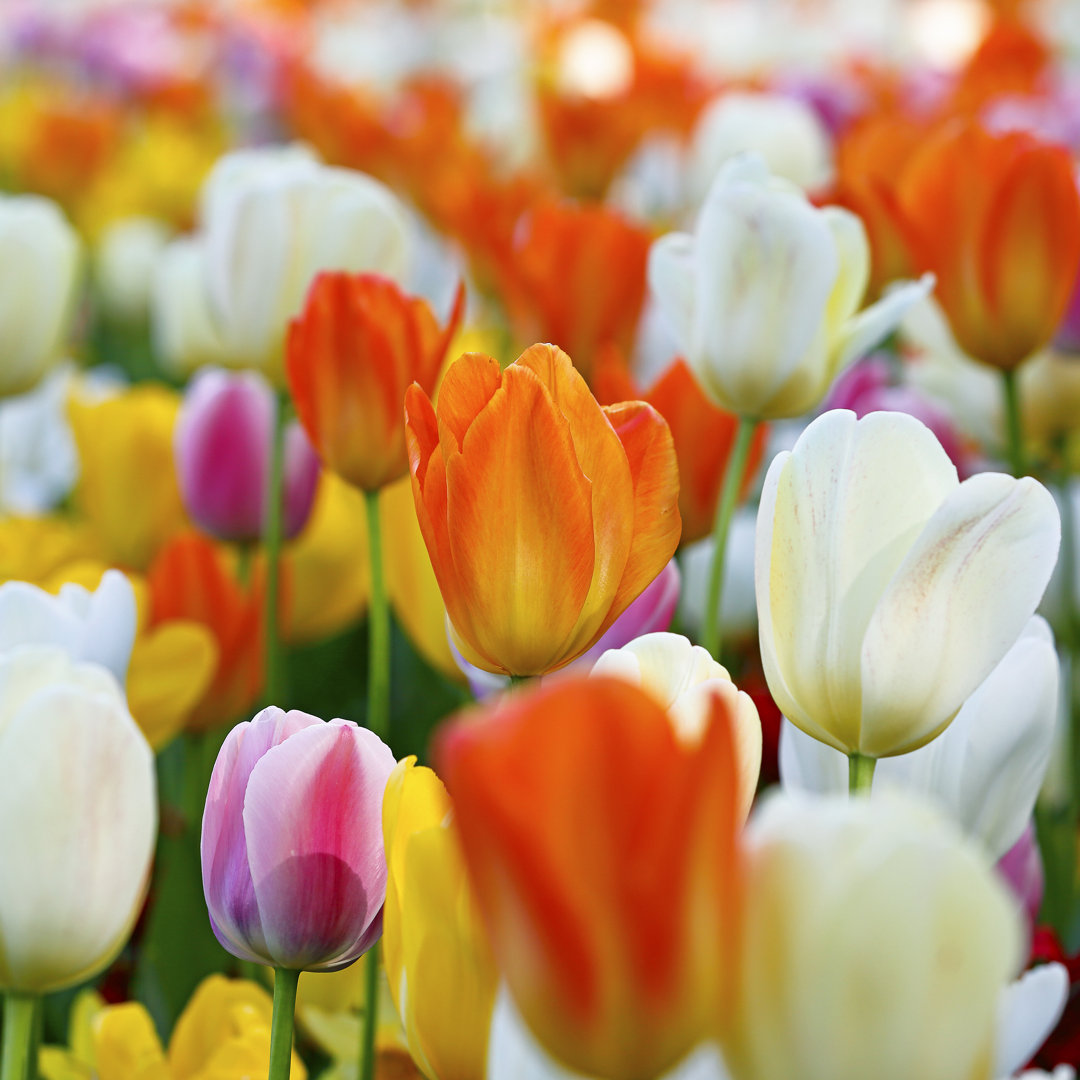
(540, 539)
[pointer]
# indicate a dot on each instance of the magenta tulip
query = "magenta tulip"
(293, 868)
(223, 438)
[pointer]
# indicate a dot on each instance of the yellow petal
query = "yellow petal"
(127, 1046)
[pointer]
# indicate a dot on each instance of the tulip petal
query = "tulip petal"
(953, 608)
(313, 822)
(876, 322)
(468, 386)
(853, 265)
(1028, 1010)
(671, 272)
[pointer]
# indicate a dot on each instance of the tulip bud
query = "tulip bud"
(223, 443)
(78, 819)
(37, 288)
(292, 850)
(125, 260)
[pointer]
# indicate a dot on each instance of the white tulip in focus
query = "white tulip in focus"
(39, 269)
(985, 769)
(684, 678)
(271, 219)
(78, 819)
(887, 590)
(764, 297)
(786, 132)
(125, 261)
(876, 943)
(97, 626)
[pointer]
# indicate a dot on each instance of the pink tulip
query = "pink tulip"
(223, 439)
(1021, 867)
(293, 868)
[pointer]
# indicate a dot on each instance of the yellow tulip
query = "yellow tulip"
(442, 974)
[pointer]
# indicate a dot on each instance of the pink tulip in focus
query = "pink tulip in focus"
(293, 868)
(223, 438)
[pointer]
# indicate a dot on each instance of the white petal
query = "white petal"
(1028, 1011)
(671, 280)
(875, 323)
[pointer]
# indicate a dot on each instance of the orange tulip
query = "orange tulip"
(703, 433)
(190, 579)
(543, 514)
(997, 219)
(603, 856)
(359, 342)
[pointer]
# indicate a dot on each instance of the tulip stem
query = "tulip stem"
(371, 1013)
(281, 1027)
(860, 773)
(378, 702)
(1013, 423)
(725, 510)
(19, 1011)
(274, 674)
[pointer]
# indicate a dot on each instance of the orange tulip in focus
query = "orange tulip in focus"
(997, 219)
(544, 515)
(703, 433)
(359, 342)
(603, 856)
(190, 579)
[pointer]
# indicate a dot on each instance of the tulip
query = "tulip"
(543, 514)
(124, 264)
(1021, 867)
(96, 626)
(271, 220)
(292, 852)
(78, 820)
(887, 590)
(1067, 337)
(223, 437)
(684, 678)
(37, 289)
(875, 944)
(438, 962)
(985, 770)
(997, 219)
(358, 344)
(601, 847)
(764, 297)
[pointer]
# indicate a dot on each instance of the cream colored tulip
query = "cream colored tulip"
(886, 589)
(875, 944)
(683, 678)
(39, 264)
(764, 297)
(78, 819)
(124, 263)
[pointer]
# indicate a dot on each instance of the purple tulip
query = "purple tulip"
(293, 867)
(1021, 867)
(223, 444)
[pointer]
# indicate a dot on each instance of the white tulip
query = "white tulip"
(684, 679)
(78, 819)
(876, 943)
(1028, 1011)
(787, 133)
(39, 269)
(124, 263)
(271, 219)
(764, 297)
(985, 769)
(887, 590)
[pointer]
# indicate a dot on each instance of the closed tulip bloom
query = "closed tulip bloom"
(271, 220)
(764, 296)
(38, 279)
(292, 851)
(355, 349)
(78, 819)
(875, 943)
(544, 515)
(887, 590)
(223, 438)
(601, 845)
(441, 972)
(185, 334)
(997, 219)
(683, 678)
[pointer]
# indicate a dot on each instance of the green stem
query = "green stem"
(378, 703)
(274, 498)
(860, 773)
(517, 681)
(1013, 423)
(371, 1013)
(19, 1010)
(281, 1027)
(245, 555)
(725, 510)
